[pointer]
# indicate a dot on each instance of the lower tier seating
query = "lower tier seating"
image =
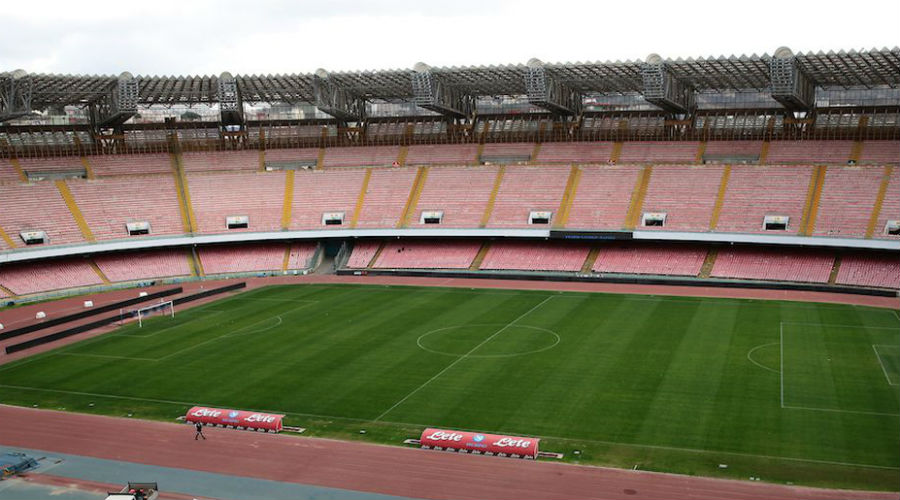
(144, 265)
(531, 256)
(362, 254)
(242, 258)
(882, 271)
(781, 264)
(644, 259)
(44, 276)
(428, 254)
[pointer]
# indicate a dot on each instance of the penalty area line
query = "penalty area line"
(464, 356)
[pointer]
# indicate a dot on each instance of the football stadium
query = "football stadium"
(656, 278)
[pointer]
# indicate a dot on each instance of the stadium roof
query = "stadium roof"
(832, 70)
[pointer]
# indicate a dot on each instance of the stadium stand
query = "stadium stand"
(783, 264)
(108, 204)
(686, 194)
(316, 192)
(880, 153)
(513, 149)
(847, 200)
(215, 196)
(442, 154)
(805, 152)
(882, 271)
(387, 194)
(8, 173)
(461, 193)
(646, 259)
(659, 152)
(38, 206)
(305, 155)
(756, 191)
(572, 152)
(220, 160)
(44, 276)
(362, 254)
(603, 197)
(301, 254)
(535, 256)
(526, 189)
(130, 164)
(428, 254)
(144, 265)
(374, 156)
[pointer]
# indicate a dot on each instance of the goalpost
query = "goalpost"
(166, 308)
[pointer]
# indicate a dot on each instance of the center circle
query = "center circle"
(513, 340)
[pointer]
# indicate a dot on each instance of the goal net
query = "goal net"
(166, 308)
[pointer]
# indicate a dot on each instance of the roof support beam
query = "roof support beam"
(335, 100)
(793, 88)
(15, 95)
(119, 103)
(663, 89)
(231, 106)
(430, 93)
(546, 91)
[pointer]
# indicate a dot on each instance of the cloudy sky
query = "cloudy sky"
(165, 37)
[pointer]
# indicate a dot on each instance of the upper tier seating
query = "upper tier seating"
(305, 155)
(890, 207)
(43, 275)
(878, 270)
(462, 193)
(107, 204)
(374, 156)
(716, 150)
(631, 258)
(144, 265)
(833, 152)
(756, 191)
(535, 256)
(442, 154)
(518, 149)
(8, 173)
(260, 196)
(36, 206)
(687, 194)
(428, 254)
(659, 152)
(603, 197)
(783, 264)
(319, 191)
(571, 152)
(386, 196)
(526, 189)
(880, 153)
(848, 197)
(220, 160)
(130, 164)
(362, 254)
(242, 258)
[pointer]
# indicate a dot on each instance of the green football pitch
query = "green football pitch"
(788, 392)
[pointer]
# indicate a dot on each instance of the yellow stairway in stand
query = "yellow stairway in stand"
(409, 210)
(76, 212)
(879, 201)
(489, 209)
(287, 206)
(720, 198)
(588, 266)
(637, 198)
(361, 198)
(479, 258)
(565, 205)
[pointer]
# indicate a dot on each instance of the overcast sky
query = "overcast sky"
(164, 37)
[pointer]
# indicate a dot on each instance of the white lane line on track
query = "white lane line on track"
(464, 356)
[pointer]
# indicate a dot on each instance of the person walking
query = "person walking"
(199, 433)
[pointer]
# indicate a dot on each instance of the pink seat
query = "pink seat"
(144, 265)
(44, 276)
(877, 270)
(777, 264)
(633, 258)
(428, 254)
(535, 256)
(216, 196)
(461, 193)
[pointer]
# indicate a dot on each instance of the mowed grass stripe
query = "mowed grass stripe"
(645, 371)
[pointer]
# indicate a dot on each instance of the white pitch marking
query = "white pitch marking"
(751, 351)
(781, 344)
(883, 369)
(837, 410)
(464, 356)
(101, 356)
(841, 326)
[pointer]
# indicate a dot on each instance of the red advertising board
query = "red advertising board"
(476, 442)
(235, 418)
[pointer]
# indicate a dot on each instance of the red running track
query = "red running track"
(366, 467)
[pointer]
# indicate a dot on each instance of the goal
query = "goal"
(166, 308)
